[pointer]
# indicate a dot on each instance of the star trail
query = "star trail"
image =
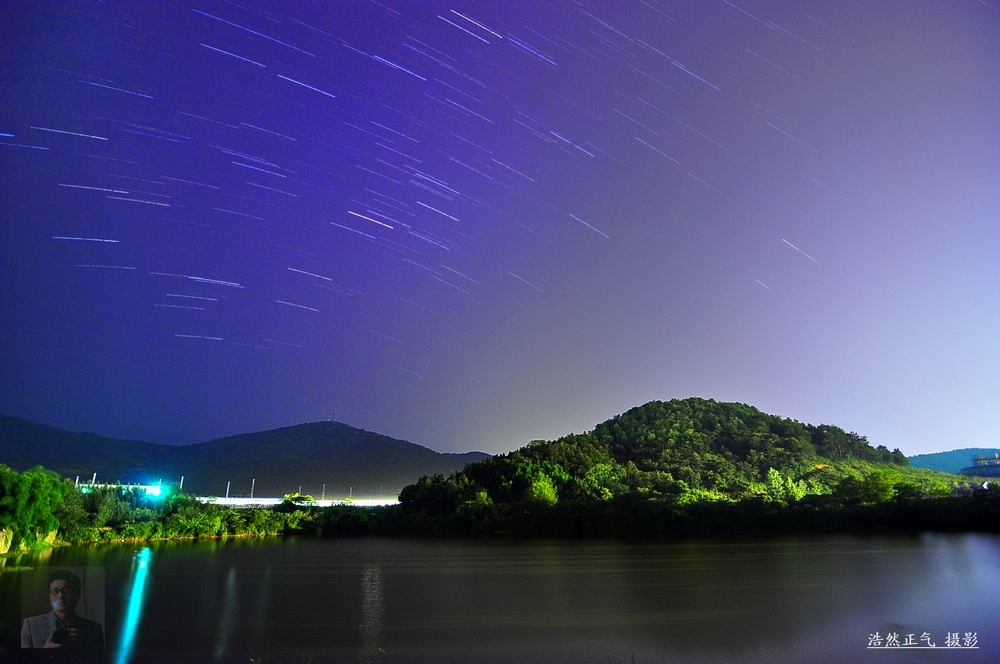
(473, 224)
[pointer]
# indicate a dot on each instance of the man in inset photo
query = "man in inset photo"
(61, 627)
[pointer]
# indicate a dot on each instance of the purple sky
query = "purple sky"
(470, 225)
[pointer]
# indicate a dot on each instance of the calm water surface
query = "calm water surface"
(793, 599)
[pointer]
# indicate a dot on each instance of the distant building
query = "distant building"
(158, 490)
(151, 490)
(984, 466)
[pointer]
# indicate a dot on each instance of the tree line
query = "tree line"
(665, 468)
(39, 506)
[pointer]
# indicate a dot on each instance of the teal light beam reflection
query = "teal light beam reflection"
(140, 568)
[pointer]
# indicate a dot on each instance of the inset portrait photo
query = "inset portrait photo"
(63, 608)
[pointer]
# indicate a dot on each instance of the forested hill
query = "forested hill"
(953, 461)
(676, 450)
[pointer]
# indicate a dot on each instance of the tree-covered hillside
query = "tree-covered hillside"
(953, 461)
(695, 466)
(679, 450)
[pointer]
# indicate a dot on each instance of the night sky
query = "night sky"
(474, 224)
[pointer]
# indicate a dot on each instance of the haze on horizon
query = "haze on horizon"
(471, 225)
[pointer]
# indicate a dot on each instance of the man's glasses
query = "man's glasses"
(55, 592)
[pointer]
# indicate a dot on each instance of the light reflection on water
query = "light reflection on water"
(371, 615)
(383, 601)
(259, 640)
(130, 623)
(228, 617)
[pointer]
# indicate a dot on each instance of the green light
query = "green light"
(140, 568)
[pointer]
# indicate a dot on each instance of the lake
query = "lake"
(388, 600)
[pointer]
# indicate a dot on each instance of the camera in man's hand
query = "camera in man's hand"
(61, 636)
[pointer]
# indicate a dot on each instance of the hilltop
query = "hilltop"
(669, 450)
(695, 465)
(280, 460)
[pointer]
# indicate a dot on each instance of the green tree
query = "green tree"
(542, 490)
(877, 486)
(477, 510)
(434, 494)
(598, 482)
(783, 488)
(74, 520)
(28, 503)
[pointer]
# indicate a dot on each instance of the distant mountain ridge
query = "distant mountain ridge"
(342, 457)
(953, 461)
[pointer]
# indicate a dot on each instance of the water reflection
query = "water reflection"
(487, 601)
(372, 614)
(228, 617)
(261, 621)
(139, 573)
